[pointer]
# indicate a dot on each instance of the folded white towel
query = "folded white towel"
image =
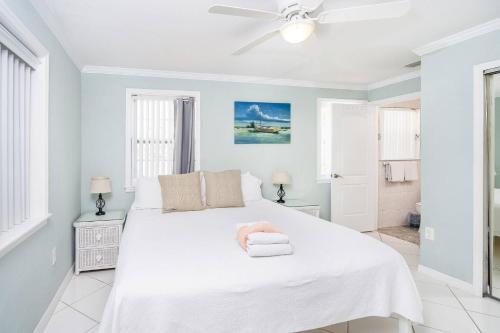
(269, 250)
(396, 171)
(411, 171)
(267, 238)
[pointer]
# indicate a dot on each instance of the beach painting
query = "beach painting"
(261, 123)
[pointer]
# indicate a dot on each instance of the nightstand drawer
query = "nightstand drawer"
(98, 237)
(97, 258)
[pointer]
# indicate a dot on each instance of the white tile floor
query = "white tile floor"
(445, 309)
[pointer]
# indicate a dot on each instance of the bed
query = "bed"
(184, 272)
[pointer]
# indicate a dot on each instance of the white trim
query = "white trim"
(478, 173)
(16, 47)
(10, 239)
(396, 99)
(462, 36)
(393, 80)
(129, 187)
(43, 322)
(16, 27)
(55, 26)
(449, 280)
(217, 77)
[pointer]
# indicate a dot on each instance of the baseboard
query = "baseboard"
(42, 324)
(449, 280)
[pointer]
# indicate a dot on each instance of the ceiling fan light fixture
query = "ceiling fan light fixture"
(297, 31)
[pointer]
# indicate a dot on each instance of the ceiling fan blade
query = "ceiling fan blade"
(256, 42)
(311, 5)
(244, 12)
(364, 13)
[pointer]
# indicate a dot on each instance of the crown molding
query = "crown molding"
(217, 77)
(55, 27)
(393, 80)
(459, 37)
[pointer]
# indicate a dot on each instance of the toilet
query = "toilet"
(418, 207)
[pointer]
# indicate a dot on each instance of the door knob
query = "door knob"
(337, 176)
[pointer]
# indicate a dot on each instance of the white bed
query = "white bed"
(185, 272)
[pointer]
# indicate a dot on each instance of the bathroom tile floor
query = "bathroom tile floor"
(446, 309)
(405, 233)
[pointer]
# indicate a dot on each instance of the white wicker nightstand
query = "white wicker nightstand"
(97, 240)
(305, 207)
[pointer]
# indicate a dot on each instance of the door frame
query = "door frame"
(378, 104)
(478, 148)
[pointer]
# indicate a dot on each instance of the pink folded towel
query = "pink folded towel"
(245, 230)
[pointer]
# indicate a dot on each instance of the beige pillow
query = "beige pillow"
(223, 189)
(181, 192)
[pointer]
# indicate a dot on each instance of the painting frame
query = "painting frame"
(262, 122)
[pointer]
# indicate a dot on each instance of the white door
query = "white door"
(354, 165)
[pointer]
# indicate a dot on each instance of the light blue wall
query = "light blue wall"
(447, 106)
(103, 133)
(27, 278)
(396, 89)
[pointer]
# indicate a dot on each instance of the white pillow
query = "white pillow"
(250, 187)
(148, 193)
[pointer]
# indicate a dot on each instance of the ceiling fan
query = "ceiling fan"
(297, 18)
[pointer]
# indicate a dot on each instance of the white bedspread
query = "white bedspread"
(185, 272)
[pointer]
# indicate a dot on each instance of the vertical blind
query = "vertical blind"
(400, 134)
(15, 115)
(153, 151)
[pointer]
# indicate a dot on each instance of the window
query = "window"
(399, 134)
(23, 132)
(151, 133)
(15, 92)
(325, 141)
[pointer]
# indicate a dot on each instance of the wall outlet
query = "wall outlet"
(54, 256)
(429, 233)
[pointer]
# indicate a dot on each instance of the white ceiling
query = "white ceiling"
(181, 36)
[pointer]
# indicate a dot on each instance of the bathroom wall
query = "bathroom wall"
(396, 200)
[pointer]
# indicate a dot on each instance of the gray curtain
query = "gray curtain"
(184, 135)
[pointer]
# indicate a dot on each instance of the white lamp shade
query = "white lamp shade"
(100, 185)
(297, 31)
(281, 177)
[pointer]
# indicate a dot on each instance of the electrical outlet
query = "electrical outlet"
(54, 255)
(429, 233)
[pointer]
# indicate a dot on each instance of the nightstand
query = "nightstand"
(303, 206)
(97, 240)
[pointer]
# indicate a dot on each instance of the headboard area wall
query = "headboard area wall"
(103, 133)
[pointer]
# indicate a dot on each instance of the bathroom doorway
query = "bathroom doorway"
(492, 191)
(399, 170)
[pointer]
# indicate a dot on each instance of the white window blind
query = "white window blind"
(153, 137)
(15, 125)
(400, 134)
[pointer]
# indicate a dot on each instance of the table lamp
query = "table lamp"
(281, 178)
(100, 185)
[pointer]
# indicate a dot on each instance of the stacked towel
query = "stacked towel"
(261, 239)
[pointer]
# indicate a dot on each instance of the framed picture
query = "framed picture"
(261, 123)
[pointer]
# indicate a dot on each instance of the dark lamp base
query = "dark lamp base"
(281, 194)
(100, 203)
